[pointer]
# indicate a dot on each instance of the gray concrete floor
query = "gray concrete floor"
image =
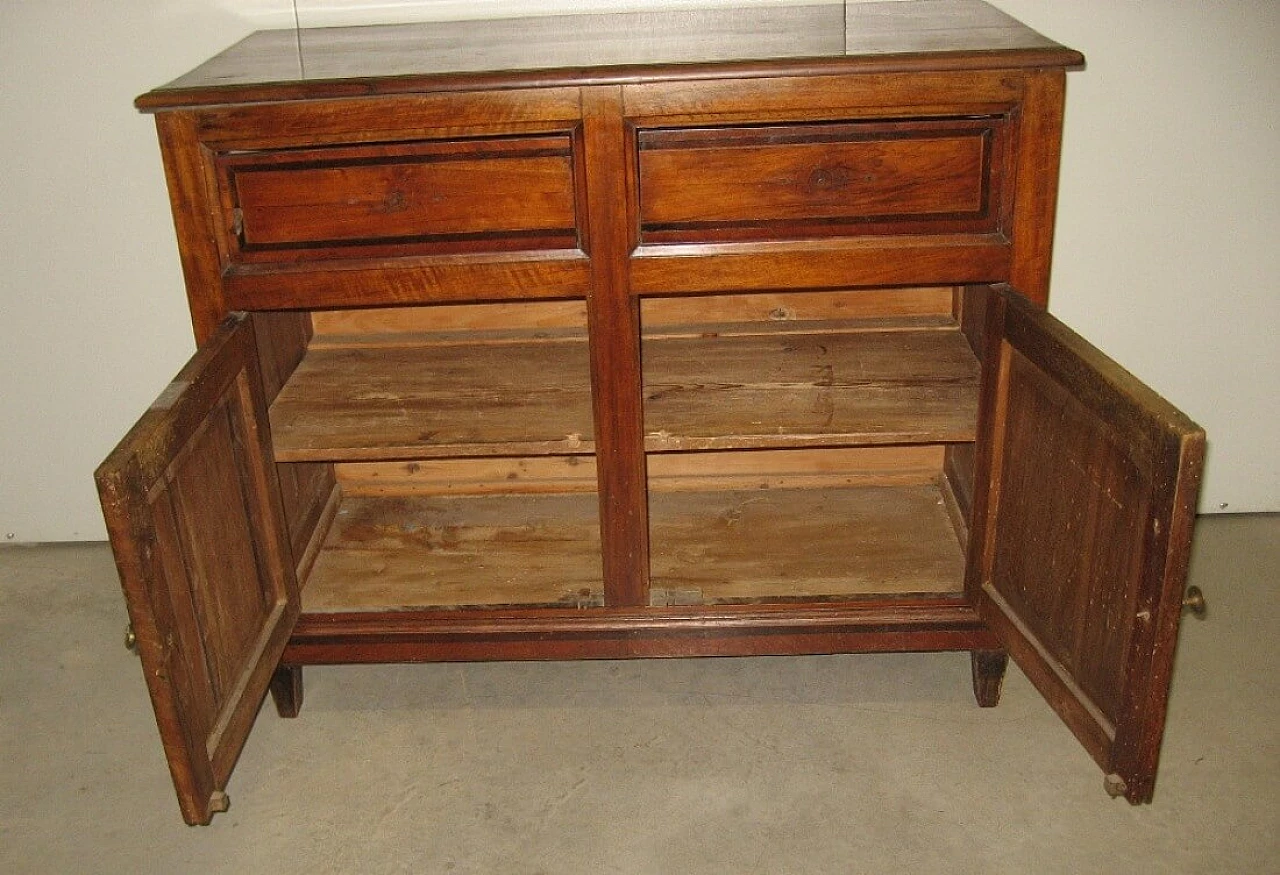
(823, 764)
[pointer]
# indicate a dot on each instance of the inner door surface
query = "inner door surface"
(1085, 501)
(193, 510)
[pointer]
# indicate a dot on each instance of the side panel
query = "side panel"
(1084, 505)
(193, 509)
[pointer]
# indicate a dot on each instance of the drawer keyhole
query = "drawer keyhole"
(830, 178)
(395, 202)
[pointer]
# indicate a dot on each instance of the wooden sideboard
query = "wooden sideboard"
(640, 335)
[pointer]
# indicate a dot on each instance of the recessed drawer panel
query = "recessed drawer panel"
(477, 195)
(820, 180)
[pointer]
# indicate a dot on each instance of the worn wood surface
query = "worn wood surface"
(401, 552)
(1086, 493)
(374, 325)
(802, 544)
(721, 470)
(402, 540)
(657, 314)
(438, 399)
(782, 384)
(393, 553)
(392, 325)
(841, 387)
(611, 48)
(194, 515)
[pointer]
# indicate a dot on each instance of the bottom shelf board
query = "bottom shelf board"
(405, 552)
(708, 547)
(804, 544)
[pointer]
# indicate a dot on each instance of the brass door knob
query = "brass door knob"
(1194, 602)
(130, 639)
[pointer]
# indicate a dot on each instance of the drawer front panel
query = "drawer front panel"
(820, 180)
(479, 195)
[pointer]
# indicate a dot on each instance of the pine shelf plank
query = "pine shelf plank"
(436, 400)
(405, 553)
(724, 387)
(820, 388)
(416, 552)
(763, 545)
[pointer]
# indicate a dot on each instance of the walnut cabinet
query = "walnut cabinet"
(640, 335)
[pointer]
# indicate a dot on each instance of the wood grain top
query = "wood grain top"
(612, 48)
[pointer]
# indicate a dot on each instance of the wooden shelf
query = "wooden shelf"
(391, 553)
(712, 388)
(833, 385)
(471, 394)
(769, 545)
(402, 553)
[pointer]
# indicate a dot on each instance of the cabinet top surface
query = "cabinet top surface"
(894, 35)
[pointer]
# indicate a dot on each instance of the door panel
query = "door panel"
(1084, 505)
(193, 510)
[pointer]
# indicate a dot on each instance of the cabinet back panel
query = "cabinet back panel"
(758, 469)
(762, 307)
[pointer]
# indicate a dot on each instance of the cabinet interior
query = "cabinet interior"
(800, 447)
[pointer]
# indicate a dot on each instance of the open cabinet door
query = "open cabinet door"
(1083, 510)
(193, 511)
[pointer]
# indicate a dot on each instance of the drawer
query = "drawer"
(494, 194)
(821, 180)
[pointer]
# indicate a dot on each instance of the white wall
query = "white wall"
(1168, 247)
(1167, 250)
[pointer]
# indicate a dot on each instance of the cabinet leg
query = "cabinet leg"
(286, 689)
(988, 675)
